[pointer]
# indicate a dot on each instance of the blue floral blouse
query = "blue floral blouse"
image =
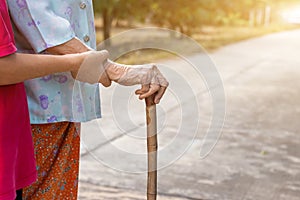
(57, 97)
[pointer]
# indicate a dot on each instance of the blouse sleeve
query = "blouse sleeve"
(39, 24)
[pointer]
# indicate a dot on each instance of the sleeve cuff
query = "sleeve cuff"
(7, 49)
(57, 41)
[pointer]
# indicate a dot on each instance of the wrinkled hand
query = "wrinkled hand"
(92, 68)
(148, 75)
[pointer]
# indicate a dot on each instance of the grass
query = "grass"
(213, 38)
(209, 37)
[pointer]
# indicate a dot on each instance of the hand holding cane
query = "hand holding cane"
(153, 88)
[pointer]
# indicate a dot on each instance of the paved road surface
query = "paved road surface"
(258, 154)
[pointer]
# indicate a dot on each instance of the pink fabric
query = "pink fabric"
(17, 163)
(6, 34)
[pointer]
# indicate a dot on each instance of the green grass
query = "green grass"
(209, 37)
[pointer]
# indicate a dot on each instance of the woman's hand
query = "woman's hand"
(90, 68)
(148, 75)
(96, 68)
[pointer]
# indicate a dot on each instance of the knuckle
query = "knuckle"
(167, 84)
(105, 53)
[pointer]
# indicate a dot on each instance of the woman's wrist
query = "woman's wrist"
(114, 70)
(74, 61)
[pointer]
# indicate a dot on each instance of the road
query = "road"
(257, 156)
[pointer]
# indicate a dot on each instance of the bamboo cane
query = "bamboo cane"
(152, 148)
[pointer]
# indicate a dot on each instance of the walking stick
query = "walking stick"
(152, 148)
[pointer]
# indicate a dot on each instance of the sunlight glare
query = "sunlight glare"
(292, 15)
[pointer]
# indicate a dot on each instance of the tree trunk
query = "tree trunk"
(252, 18)
(107, 22)
(267, 15)
(259, 16)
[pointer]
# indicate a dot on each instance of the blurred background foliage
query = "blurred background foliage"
(213, 23)
(188, 16)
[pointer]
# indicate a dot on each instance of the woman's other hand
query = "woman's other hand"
(148, 76)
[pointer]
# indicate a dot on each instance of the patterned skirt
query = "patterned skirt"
(57, 149)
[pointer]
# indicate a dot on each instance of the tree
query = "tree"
(120, 9)
(178, 14)
(107, 9)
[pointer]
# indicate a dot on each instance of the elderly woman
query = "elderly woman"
(66, 27)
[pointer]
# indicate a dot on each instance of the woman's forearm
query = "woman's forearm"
(17, 67)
